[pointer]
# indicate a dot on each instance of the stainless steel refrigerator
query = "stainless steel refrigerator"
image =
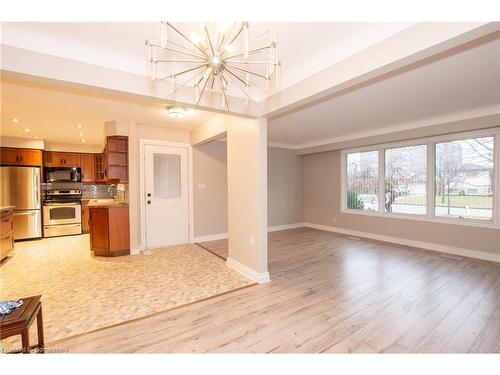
(20, 187)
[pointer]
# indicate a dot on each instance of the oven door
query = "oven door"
(62, 213)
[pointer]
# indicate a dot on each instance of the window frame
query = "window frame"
(430, 142)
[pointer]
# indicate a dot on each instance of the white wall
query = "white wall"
(284, 188)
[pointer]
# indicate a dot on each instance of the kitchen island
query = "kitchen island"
(109, 228)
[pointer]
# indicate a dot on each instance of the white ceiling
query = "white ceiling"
(467, 81)
(305, 48)
(53, 114)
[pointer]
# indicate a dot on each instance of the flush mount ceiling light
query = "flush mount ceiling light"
(27, 130)
(215, 60)
(177, 112)
(14, 119)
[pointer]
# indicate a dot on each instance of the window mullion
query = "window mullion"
(381, 180)
(431, 176)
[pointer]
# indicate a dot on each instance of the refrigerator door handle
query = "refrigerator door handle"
(37, 190)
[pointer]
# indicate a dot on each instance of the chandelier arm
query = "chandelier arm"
(185, 37)
(220, 48)
(186, 82)
(179, 61)
(234, 75)
(186, 71)
(224, 93)
(182, 46)
(249, 72)
(241, 79)
(177, 50)
(248, 96)
(253, 51)
(209, 40)
(237, 34)
(203, 90)
(250, 62)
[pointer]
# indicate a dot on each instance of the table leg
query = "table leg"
(39, 326)
(25, 340)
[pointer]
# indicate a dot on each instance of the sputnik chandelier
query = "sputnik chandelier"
(215, 61)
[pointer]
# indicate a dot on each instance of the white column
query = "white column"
(247, 197)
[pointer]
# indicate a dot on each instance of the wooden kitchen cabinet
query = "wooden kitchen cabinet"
(109, 230)
(85, 216)
(21, 156)
(62, 159)
(116, 157)
(88, 167)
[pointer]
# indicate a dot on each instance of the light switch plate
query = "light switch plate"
(202, 185)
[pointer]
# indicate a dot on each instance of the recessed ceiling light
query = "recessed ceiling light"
(14, 119)
(177, 112)
(83, 141)
(27, 130)
(79, 126)
(81, 134)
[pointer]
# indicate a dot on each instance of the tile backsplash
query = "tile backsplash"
(98, 191)
(88, 191)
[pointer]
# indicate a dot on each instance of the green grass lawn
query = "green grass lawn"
(455, 200)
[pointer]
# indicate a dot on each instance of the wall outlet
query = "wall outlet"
(252, 240)
(334, 219)
(202, 185)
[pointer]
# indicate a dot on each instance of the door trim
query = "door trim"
(142, 173)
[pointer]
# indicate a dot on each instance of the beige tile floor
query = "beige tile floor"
(81, 292)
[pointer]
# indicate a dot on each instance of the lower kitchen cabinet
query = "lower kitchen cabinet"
(109, 230)
(85, 216)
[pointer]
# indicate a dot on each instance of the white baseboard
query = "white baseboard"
(418, 244)
(284, 227)
(261, 278)
(210, 237)
(223, 236)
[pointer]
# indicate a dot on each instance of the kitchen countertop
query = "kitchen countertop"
(106, 203)
(5, 208)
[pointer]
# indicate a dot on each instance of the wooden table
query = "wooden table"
(19, 322)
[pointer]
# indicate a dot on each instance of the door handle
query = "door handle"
(149, 194)
(149, 202)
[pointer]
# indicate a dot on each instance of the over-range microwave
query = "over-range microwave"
(63, 174)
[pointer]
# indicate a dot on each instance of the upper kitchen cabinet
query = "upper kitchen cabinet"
(88, 165)
(21, 156)
(62, 159)
(116, 157)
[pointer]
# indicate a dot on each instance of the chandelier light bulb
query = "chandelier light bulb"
(196, 38)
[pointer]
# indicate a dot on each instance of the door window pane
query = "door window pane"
(167, 175)
(362, 181)
(464, 179)
(406, 180)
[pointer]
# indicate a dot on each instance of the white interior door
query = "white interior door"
(166, 196)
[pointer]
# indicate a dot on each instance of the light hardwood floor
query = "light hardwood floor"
(334, 294)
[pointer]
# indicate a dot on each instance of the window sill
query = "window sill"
(424, 218)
